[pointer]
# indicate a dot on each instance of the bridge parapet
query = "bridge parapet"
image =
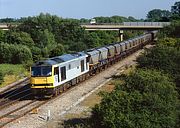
(146, 23)
(132, 24)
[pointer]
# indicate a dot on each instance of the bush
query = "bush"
(15, 54)
(163, 58)
(146, 99)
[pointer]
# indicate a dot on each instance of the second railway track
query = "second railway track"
(19, 111)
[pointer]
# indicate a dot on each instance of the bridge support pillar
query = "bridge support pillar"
(120, 35)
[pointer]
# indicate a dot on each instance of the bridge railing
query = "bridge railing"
(133, 24)
(146, 23)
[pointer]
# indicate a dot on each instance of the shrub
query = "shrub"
(146, 99)
(163, 58)
(15, 54)
(1, 77)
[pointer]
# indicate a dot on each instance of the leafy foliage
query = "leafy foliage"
(45, 33)
(14, 54)
(158, 15)
(162, 58)
(13, 37)
(114, 19)
(176, 8)
(146, 99)
(1, 77)
(57, 51)
(172, 30)
(2, 35)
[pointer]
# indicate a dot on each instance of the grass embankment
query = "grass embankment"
(12, 73)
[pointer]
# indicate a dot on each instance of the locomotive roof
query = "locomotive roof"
(59, 59)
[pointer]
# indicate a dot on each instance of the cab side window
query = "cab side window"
(56, 71)
(82, 65)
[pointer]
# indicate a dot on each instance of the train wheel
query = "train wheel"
(64, 88)
(56, 92)
(60, 89)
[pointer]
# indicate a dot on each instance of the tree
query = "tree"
(77, 46)
(15, 54)
(113, 19)
(46, 42)
(36, 53)
(2, 36)
(7, 20)
(158, 15)
(176, 8)
(21, 55)
(146, 99)
(172, 30)
(5, 53)
(132, 19)
(23, 38)
(57, 51)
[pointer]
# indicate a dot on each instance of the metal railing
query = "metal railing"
(146, 23)
(133, 24)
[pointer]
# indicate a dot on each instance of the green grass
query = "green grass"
(12, 73)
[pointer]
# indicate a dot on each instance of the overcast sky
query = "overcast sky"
(81, 8)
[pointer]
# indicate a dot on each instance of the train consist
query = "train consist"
(54, 75)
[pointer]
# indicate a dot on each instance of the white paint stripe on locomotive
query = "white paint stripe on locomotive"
(88, 94)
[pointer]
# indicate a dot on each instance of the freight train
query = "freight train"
(52, 76)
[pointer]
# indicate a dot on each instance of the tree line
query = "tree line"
(158, 15)
(48, 35)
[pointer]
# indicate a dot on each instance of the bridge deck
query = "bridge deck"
(112, 26)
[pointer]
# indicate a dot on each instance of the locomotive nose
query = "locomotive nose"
(39, 80)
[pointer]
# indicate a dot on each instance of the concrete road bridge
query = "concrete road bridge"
(147, 26)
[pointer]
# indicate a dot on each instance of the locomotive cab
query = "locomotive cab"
(41, 79)
(41, 75)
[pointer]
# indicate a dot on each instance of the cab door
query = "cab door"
(56, 76)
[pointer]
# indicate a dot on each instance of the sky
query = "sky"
(81, 8)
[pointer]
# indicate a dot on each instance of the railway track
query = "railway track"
(14, 87)
(19, 111)
(13, 95)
